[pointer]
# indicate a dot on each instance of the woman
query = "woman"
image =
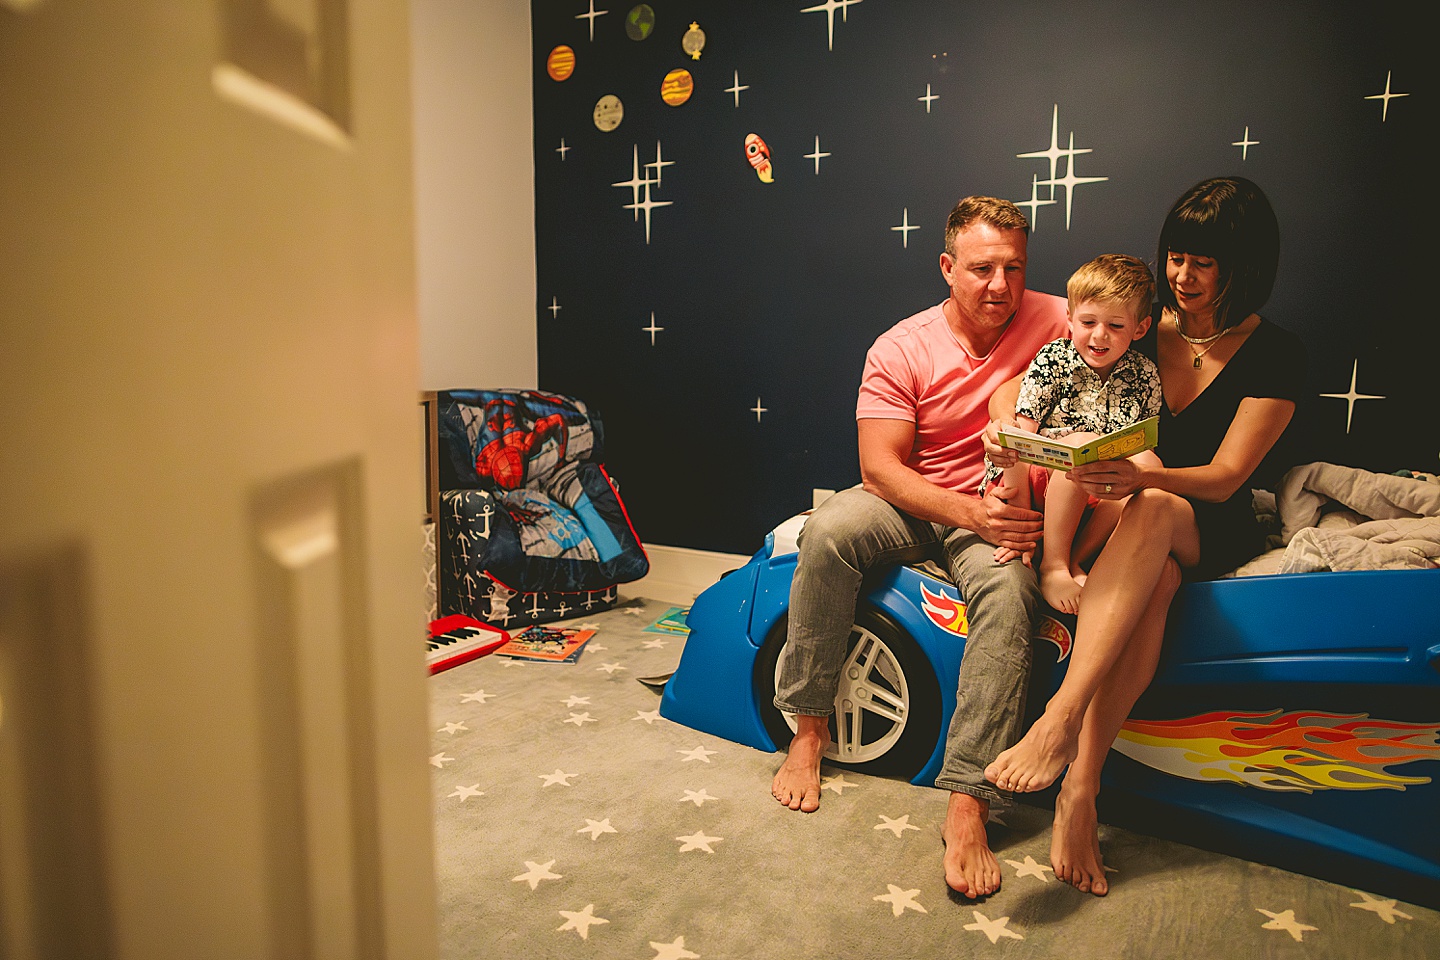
(1231, 381)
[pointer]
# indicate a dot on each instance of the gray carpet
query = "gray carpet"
(572, 821)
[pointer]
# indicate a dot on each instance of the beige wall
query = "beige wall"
(474, 190)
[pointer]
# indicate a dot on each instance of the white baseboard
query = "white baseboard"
(678, 574)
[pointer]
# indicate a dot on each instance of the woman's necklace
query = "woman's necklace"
(1199, 341)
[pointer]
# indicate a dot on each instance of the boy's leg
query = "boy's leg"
(1064, 507)
(850, 533)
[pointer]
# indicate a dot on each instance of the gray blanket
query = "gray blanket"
(1403, 529)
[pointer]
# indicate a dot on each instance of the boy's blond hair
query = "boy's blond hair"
(1113, 278)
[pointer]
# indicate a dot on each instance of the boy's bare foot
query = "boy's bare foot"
(970, 867)
(797, 784)
(1060, 589)
(1039, 758)
(1075, 842)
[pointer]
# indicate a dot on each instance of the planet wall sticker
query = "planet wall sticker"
(677, 87)
(693, 41)
(640, 21)
(561, 63)
(609, 111)
(758, 153)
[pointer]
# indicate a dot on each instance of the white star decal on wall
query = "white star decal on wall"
(1053, 154)
(905, 228)
(1245, 143)
(554, 307)
(1352, 396)
(901, 900)
(759, 410)
(1386, 97)
(652, 330)
(591, 17)
(828, 8)
(736, 88)
(928, 99)
(562, 149)
(817, 156)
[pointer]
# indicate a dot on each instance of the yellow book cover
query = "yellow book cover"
(1061, 455)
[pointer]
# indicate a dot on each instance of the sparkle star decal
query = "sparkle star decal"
(994, 929)
(580, 719)
(562, 149)
(1029, 868)
(699, 753)
(896, 827)
(1386, 97)
(597, 827)
(672, 951)
(905, 228)
(591, 15)
(838, 783)
(1285, 920)
(736, 88)
(817, 156)
(479, 696)
(636, 182)
(698, 797)
(581, 920)
(759, 410)
(697, 841)
(647, 205)
(452, 728)
(1245, 143)
(1384, 909)
(928, 99)
(828, 8)
(901, 900)
(660, 164)
(1053, 154)
(465, 793)
(554, 307)
(649, 716)
(1035, 203)
(653, 329)
(559, 776)
(1070, 181)
(536, 873)
(440, 759)
(1352, 396)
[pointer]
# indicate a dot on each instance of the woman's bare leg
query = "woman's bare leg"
(1153, 525)
(1074, 842)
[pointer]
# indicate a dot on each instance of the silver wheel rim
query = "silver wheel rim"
(872, 702)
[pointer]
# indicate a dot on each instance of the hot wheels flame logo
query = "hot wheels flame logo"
(1302, 750)
(948, 613)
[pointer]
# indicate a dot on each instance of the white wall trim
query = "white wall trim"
(678, 574)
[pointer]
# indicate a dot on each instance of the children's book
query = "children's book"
(672, 621)
(551, 644)
(1057, 453)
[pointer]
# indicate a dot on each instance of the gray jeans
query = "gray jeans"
(854, 532)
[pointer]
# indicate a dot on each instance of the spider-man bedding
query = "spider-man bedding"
(531, 528)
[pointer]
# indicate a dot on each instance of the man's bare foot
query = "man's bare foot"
(1039, 758)
(797, 784)
(1060, 588)
(1075, 842)
(970, 867)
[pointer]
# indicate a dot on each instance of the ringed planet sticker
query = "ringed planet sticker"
(609, 111)
(561, 63)
(693, 41)
(677, 87)
(758, 153)
(640, 21)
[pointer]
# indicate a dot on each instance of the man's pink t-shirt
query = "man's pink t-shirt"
(917, 371)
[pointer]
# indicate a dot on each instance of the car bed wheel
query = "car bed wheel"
(887, 705)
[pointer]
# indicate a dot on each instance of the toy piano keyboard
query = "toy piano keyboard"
(458, 639)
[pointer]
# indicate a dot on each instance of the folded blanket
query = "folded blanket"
(1403, 530)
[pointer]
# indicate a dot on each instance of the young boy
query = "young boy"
(1082, 388)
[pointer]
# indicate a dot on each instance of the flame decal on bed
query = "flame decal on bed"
(1297, 751)
(948, 613)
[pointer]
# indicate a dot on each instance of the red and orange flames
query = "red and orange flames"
(1301, 750)
(949, 614)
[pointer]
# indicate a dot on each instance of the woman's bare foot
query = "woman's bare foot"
(1039, 758)
(1060, 588)
(970, 867)
(797, 784)
(1075, 842)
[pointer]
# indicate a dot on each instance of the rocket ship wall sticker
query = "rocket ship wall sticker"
(758, 153)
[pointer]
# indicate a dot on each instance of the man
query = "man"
(921, 417)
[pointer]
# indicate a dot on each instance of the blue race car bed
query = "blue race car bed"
(1294, 719)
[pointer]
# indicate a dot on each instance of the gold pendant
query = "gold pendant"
(1197, 363)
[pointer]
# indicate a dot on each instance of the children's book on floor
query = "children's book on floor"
(1057, 453)
(550, 644)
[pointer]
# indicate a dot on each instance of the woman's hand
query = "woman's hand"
(1110, 479)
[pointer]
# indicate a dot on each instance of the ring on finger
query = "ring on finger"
(1107, 488)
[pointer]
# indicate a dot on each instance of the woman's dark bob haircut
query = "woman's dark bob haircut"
(1231, 220)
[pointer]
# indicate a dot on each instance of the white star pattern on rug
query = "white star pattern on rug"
(1285, 920)
(610, 667)
(440, 759)
(896, 827)
(672, 951)
(838, 783)
(697, 841)
(633, 611)
(580, 719)
(573, 701)
(994, 929)
(479, 696)
(465, 793)
(537, 872)
(649, 716)
(699, 753)
(901, 900)
(508, 662)
(1029, 868)
(697, 797)
(1384, 909)
(581, 920)
(452, 728)
(559, 776)
(595, 646)
(657, 644)
(597, 827)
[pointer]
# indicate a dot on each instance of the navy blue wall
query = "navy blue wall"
(776, 290)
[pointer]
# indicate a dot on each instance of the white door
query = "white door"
(213, 732)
